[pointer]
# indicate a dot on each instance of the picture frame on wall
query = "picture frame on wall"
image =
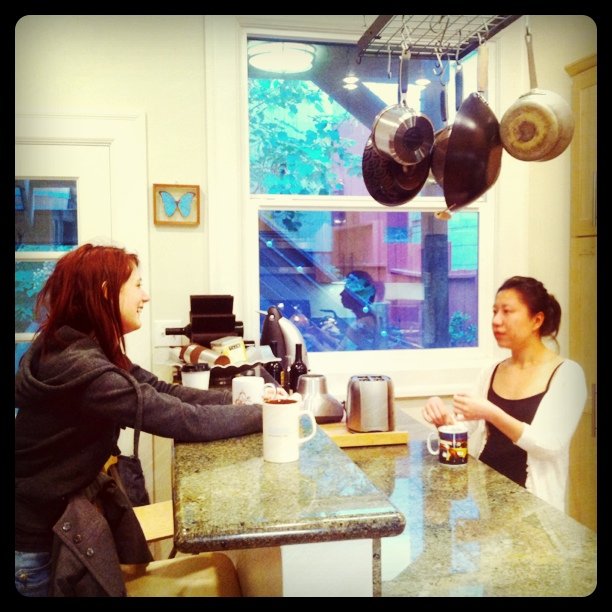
(176, 204)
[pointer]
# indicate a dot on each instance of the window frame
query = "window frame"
(416, 373)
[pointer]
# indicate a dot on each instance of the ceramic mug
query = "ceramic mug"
(249, 389)
(281, 429)
(451, 444)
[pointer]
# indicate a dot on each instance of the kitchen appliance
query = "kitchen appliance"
(369, 403)
(324, 407)
(210, 318)
(283, 331)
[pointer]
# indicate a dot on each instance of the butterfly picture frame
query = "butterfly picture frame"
(176, 204)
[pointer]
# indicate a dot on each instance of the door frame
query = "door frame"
(123, 135)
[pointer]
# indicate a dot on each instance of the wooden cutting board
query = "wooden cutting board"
(344, 438)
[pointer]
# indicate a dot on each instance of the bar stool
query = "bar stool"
(203, 575)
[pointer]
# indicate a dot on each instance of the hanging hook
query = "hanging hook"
(441, 40)
(406, 41)
(527, 30)
(458, 47)
(485, 27)
(439, 63)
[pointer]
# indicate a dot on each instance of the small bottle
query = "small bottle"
(274, 368)
(285, 371)
(297, 368)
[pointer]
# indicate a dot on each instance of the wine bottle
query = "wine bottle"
(298, 367)
(179, 331)
(274, 368)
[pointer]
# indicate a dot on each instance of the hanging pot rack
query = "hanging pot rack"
(430, 36)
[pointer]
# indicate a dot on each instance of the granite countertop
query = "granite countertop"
(472, 532)
(227, 497)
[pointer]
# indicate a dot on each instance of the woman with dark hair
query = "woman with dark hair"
(524, 410)
(76, 388)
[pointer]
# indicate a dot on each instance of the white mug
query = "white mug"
(195, 375)
(249, 389)
(281, 429)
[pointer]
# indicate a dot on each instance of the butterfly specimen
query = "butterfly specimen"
(171, 204)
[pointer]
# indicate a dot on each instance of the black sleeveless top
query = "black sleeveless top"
(500, 452)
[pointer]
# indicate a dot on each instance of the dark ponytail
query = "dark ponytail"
(536, 297)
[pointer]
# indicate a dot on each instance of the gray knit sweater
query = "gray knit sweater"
(72, 403)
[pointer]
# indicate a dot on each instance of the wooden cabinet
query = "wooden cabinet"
(583, 286)
(583, 349)
(584, 147)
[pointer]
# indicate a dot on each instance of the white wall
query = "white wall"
(534, 198)
(150, 63)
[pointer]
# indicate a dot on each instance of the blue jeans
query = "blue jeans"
(32, 573)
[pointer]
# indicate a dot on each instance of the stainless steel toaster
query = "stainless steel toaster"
(369, 403)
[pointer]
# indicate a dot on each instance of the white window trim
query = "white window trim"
(415, 373)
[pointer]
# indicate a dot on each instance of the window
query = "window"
(45, 228)
(352, 274)
(371, 280)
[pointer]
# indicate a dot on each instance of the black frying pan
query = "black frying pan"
(440, 146)
(385, 179)
(473, 157)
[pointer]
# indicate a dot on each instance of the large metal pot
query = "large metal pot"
(540, 125)
(400, 133)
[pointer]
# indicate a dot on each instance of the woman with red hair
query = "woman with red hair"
(76, 389)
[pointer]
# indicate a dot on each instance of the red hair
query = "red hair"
(83, 293)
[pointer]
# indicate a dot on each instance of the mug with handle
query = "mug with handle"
(281, 429)
(249, 389)
(451, 444)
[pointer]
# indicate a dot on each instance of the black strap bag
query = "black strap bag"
(127, 471)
